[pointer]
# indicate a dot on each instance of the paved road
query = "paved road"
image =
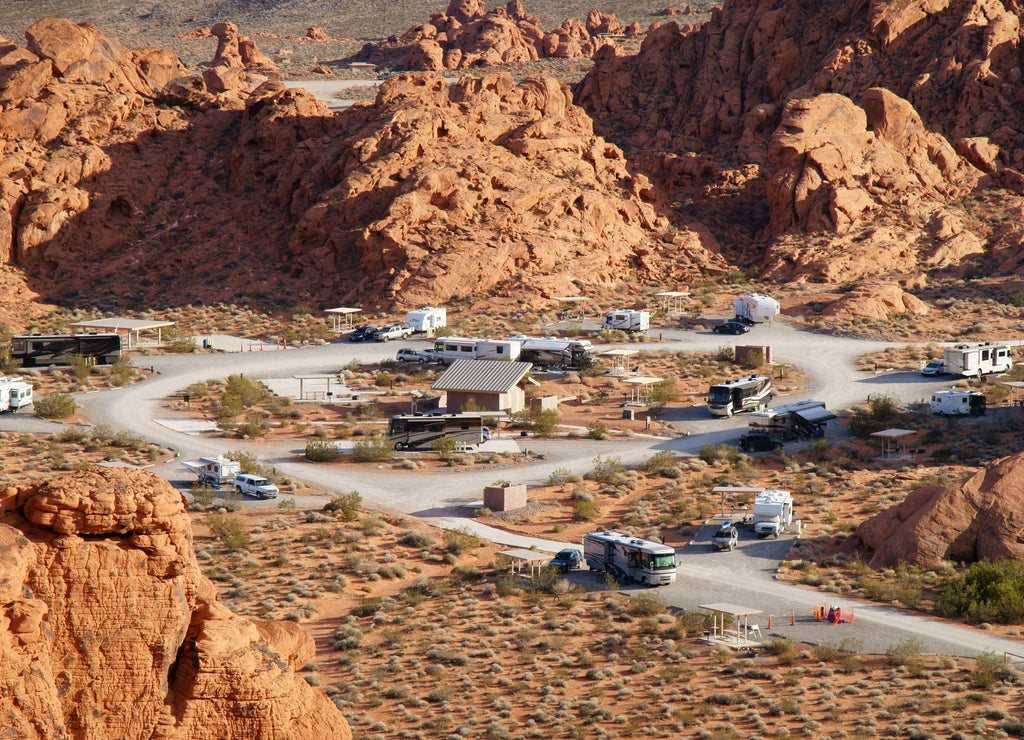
(445, 497)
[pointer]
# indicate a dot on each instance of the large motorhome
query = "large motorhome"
(750, 393)
(627, 319)
(623, 556)
(449, 349)
(773, 512)
(972, 360)
(755, 308)
(570, 354)
(58, 349)
(792, 421)
(417, 430)
(958, 403)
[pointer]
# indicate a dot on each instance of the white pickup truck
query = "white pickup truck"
(393, 331)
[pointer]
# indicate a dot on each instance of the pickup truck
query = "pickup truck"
(392, 331)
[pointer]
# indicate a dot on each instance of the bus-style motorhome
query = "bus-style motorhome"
(411, 431)
(750, 393)
(975, 360)
(623, 557)
(570, 354)
(58, 349)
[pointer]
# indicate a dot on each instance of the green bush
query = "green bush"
(55, 406)
(597, 430)
(644, 604)
(459, 540)
(321, 450)
(347, 504)
(229, 530)
(377, 448)
(989, 670)
(606, 468)
(445, 447)
(248, 392)
(659, 462)
(986, 592)
(905, 652)
(181, 345)
(881, 412)
(586, 511)
(542, 422)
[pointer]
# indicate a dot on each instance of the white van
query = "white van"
(255, 485)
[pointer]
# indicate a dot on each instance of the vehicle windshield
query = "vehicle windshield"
(659, 562)
(260, 482)
(718, 395)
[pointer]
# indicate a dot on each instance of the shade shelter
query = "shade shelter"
(894, 443)
(640, 389)
(132, 329)
(739, 636)
(619, 360)
(571, 307)
(321, 389)
(343, 319)
(672, 300)
(527, 562)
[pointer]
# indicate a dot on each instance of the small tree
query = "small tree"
(445, 447)
(55, 406)
(542, 422)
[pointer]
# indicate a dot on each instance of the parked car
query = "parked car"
(731, 327)
(726, 538)
(420, 356)
(934, 367)
(392, 331)
(362, 334)
(567, 560)
(759, 442)
(255, 485)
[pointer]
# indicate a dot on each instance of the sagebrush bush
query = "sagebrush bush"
(55, 406)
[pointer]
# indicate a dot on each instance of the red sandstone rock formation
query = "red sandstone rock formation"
(468, 36)
(976, 519)
(108, 628)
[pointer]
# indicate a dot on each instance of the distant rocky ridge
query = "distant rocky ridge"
(109, 629)
(468, 35)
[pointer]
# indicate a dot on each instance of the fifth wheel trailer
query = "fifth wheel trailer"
(627, 319)
(978, 359)
(630, 557)
(755, 308)
(792, 421)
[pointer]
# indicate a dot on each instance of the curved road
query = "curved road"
(828, 362)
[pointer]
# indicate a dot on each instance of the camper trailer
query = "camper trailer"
(958, 403)
(570, 354)
(750, 393)
(426, 320)
(630, 557)
(58, 349)
(773, 512)
(755, 308)
(792, 421)
(449, 349)
(15, 394)
(975, 360)
(627, 319)
(410, 431)
(214, 470)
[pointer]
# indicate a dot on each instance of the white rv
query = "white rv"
(426, 320)
(792, 421)
(449, 349)
(773, 512)
(214, 470)
(755, 308)
(15, 394)
(972, 360)
(630, 557)
(751, 393)
(627, 319)
(958, 403)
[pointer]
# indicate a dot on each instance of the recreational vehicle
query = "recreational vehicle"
(627, 319)
(630, 557)
(755, 308)
(15, 394)
(426, 320)
(58, 349)
(751, 393)
(570, 354)
(773, 512)
(972, 360)
(214, 470)
(793, 421)
(449, 349)
(958, 403)
(416, 430)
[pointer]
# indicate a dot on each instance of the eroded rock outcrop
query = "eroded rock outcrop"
(468, 35)
(109, 629)
(977, 519)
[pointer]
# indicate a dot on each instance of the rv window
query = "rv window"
(465, 348)
(499, 350)
(665, 561)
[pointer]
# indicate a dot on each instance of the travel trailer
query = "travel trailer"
(792, 421)
(15, 394)
(214, 470)
(958, 403)
(755, 308)
(630, 557)
(417, 430)
(773, 512)
(449, 349)
(426, 320)
(975, 360)
(750, 393)
(627, 319)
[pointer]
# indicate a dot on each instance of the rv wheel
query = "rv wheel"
(399, 446)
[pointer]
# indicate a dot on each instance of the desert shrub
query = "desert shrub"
(542, 422)
(460, 540)
(197, 390)
(384, 380)
(55, 406)
(882, 410)
(989, 670)
(659, 462)
(560, 476)
(321, 450)
(229, 530)
(645, 604)
(181, 345)
(606, 468)
(249, 463)
(445, 447)
(905, 652)
(81, 366)
(122, 372)
(586, 511)
(347, 504)
(373, 449)
(250, 429)
(987, 592)
(597, 430)
(247, 391)
(751, 360)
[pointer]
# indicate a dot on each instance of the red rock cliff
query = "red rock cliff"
(108, 628)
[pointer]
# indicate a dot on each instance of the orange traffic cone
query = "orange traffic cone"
(769, 621)
(792, 619)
